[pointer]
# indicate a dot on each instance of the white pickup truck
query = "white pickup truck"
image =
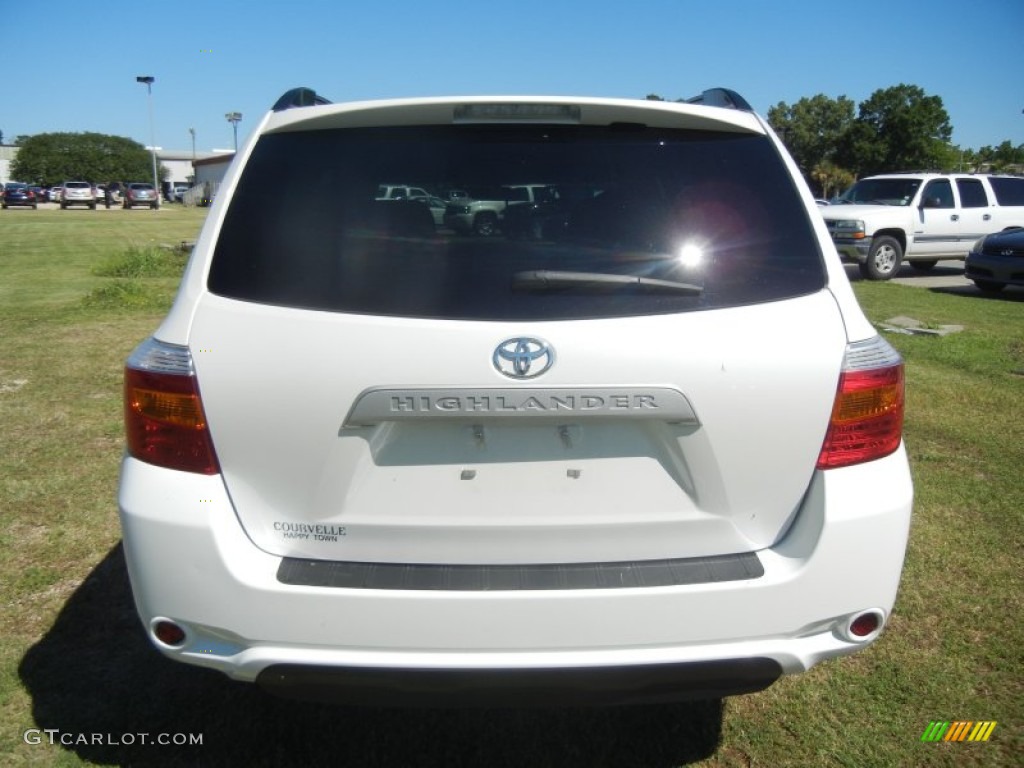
(482, 213)
(882, 221)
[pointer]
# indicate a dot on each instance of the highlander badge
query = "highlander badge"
(523, 358)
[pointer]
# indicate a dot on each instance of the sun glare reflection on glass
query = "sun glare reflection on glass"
(690, 255)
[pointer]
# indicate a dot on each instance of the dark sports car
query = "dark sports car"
(997, 261)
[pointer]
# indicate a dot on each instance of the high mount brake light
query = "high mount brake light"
(867, 416)
(163, 413)
(516, 112)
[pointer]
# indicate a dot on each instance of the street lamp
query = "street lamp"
(234, 118)
(149, 80)
(193, 132)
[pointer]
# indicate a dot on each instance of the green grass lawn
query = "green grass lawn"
(78, 290)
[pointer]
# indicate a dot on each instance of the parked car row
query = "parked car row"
(83, 193)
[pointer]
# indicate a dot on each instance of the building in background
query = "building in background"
(209, 172)
(7, 154)
(178, 163)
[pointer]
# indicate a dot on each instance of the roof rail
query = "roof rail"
(299, 97)
(721, 97)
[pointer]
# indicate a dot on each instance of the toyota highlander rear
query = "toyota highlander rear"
(641, 445)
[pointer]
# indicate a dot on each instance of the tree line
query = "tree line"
(48, 159)
(900, 128)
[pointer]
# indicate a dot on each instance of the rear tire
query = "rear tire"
(884, 260)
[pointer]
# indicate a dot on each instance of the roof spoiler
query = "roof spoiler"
(713, 97)
(299, 97)
(721, 97)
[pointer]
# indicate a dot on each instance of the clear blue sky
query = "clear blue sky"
(71, 66)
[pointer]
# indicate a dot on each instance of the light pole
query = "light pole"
(234, 118)
(149, 80)
(193, 132)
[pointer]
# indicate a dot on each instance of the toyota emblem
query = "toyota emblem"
(523, 358)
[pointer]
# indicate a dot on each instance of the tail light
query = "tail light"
(867, 416)
(163, 412)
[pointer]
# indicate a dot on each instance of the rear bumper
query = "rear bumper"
(190, 562)
(564, 686)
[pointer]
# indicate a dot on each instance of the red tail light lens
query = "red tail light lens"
(867, 417)
(163, 412)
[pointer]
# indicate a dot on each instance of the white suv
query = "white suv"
(77, 193)
(653, 452)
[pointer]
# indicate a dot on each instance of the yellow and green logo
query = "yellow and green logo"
(958, 730)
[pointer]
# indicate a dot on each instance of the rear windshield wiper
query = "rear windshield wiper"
(553, 280)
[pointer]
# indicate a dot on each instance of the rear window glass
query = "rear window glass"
(1008, 191)
(528, 222)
